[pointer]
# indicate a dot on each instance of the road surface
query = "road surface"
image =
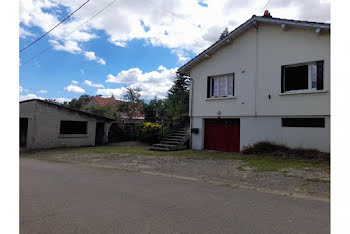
(66, 198)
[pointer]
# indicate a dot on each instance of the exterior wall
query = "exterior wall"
(256, 58)
(44, 126)
(255, 129)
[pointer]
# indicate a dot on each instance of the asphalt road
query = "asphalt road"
(65, 198)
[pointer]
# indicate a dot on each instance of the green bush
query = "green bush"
(151, 132)
(273, 149)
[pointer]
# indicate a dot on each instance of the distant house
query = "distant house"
(101, 101)
(267, 80)
(48, 125)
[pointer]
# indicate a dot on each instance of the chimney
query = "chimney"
(267, 14)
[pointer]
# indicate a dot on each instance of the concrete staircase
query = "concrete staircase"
(176, 140)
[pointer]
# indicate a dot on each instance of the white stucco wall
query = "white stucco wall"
(256, 58)
(44, 126)
(255, 129)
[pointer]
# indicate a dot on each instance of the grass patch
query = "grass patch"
(261, 163)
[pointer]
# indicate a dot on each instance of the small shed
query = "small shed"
(45, 124)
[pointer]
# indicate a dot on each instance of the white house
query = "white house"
(268, 80)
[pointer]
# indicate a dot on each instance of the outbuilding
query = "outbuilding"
(45, 124)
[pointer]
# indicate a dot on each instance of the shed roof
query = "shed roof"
(69, 109)
(244, 27)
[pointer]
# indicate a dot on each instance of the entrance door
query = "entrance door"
(99, 133)
(23, 131)
(222, 135)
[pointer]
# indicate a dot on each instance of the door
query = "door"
(99, 136)
(23, 131)
(222, 135)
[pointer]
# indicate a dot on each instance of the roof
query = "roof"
(244, 27)
(69, 109)
(107, 101)
(114, 103)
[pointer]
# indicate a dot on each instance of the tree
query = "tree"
(224, 33)
(52, 100)
(80, 102)
(177, 102)
(106, 111)
(133, 104)
(154, 111)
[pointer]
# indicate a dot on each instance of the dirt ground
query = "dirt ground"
(311, 181)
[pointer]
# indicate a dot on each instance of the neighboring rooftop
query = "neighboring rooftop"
(266, 18)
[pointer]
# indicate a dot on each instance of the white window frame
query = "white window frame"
(310, 88)
(217, 91)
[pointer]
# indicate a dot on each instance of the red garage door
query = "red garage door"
(222, 135)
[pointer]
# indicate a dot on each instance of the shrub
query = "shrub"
(273, 149)
(151, 132)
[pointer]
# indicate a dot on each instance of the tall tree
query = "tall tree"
(80, 102)
(154, 110)
(134, 105)
(177, 102)
(224, 33)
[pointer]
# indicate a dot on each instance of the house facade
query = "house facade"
(268, 80)
(48, 125)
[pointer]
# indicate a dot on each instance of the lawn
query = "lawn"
(259, 162)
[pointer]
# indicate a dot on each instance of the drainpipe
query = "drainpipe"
(191, 101)
(256, 64)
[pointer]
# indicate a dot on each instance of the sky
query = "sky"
(132, 43)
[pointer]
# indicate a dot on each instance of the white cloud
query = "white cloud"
(117, 93)
(68, 46)
(42, 91)
(174, 24)
(28, 97)
(20, 89)
(90, 55)
(151, 83)
(91, 84)
(23, 33)
(74, 89)
(74, 82)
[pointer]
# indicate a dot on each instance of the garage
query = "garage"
(222, 135)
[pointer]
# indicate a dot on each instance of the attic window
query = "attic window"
(306, 76)
(220, 86)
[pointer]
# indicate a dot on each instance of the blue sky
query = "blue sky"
(136, 43)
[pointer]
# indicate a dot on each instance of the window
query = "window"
(220, 86)
(307, 76)
(73, 127)
(303, 122)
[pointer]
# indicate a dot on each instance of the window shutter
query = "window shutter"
(282, 79)
(233, 84)
(208, 87)
(230, 85)
(319, 75)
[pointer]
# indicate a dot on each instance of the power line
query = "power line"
(97, 13)
(53, 27)
(266, 5)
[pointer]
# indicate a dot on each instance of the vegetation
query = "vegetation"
(134, 105)
(260, 163)
(151, 132)
(277, 150)
(224, 33)
(80, 102)
(106, 111)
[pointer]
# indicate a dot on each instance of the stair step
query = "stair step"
(163, 145)
(175, 137)
(171, 142)
(159, 149)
